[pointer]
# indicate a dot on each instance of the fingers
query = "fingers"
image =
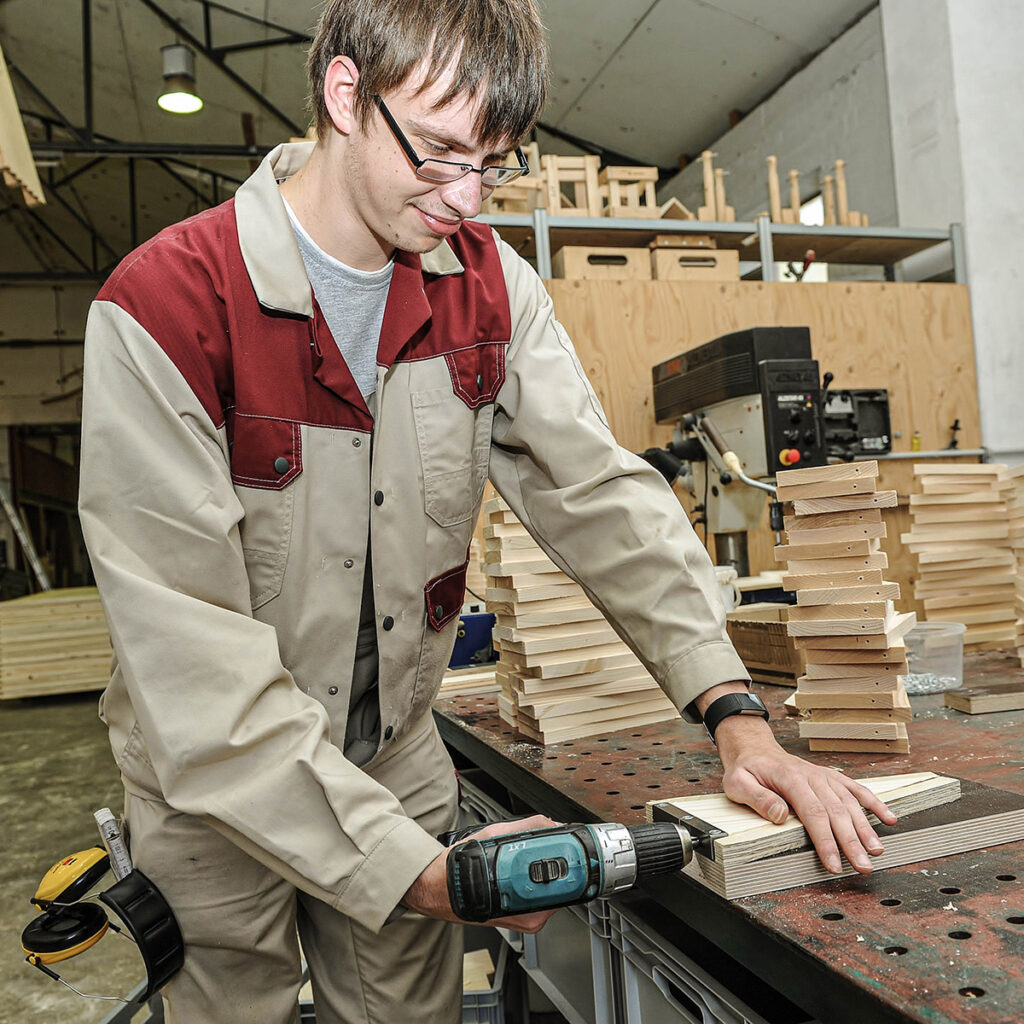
(529, 923)
(504, 828)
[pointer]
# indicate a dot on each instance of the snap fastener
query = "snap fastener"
(378, 498)
(479, 382)
(281, 465)
(332, 690)
(349, 563)
(438, 610)
(388, 623)
(389, 732)
(356, 442)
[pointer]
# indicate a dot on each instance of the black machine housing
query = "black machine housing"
(771, 362)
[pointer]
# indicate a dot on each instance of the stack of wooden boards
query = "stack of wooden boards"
(960, 535)
(469, 682)
(755, 856)
(563, 671)
(53, 642)
(844, 619)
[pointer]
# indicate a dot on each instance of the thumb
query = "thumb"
(747, 790)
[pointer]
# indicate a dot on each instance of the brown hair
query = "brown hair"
(497, 45)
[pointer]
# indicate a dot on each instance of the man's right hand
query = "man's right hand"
(428, 895)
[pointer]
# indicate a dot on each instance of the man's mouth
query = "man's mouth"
(439, 225)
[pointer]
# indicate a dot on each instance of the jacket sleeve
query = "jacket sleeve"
(601, 513)
(230, 736)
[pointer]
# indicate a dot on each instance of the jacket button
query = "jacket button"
(281, 465)
(388, 623)
(438, 610)
(356, 442)
(389, 732)
(479, 382)
(332, 690)
(349, 563)
(378, 498)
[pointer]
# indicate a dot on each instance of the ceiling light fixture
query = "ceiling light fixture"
(179, 92)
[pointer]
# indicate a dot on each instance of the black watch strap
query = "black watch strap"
(732, 704)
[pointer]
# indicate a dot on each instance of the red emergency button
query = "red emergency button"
(789, 457)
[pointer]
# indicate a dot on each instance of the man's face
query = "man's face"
(399, 208)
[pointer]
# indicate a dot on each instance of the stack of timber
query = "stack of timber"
(844, 620)
(960, 535)
(53, 642)
(469, 682)
(564, 673)
(939, 816)
(1016, 516)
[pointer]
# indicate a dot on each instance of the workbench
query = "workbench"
(940, 941)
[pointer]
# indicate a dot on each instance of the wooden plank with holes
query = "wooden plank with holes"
(847, 595)
(835, 549)
(845, 502)
(829, 580)
(825, 489)
(853, 731)
(843, 471)
(855, 670)
(829, 519)
(846, 612)
(876, 560)
(834, 534)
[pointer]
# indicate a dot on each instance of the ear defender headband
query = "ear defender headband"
(69, 924)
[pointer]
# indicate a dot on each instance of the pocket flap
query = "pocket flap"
(444, 595)
(265, 452)
(477, 373)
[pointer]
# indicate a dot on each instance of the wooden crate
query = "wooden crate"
(758, 632)
(695, 265)
(601, 263)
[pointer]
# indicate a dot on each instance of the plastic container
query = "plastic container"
(935, 657)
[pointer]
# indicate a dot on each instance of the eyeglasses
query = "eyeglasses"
(444, 171)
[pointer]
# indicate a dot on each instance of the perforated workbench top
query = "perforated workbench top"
(941, 941)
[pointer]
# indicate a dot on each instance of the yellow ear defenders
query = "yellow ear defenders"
(69, 925)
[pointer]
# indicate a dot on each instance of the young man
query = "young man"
(292, 404)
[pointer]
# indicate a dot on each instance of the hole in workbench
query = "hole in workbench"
(606, 763)
(959, 935)
(636, 807)
(681, 753)
(668, 768)
(604, 739)
(568, 743)
(832, 916)
(950, 890)
(635, 734)
(622, 748)
(645, 757)
(571, 768)
(895, 950)
(611, 792)
(1015, 920)
(629, 773)
(971, 992)
(654, 785)
(657, 743)
(1007, 878)
(590, 780)
(890, 903)
(693, 780)
(551, 757)
(583, 753)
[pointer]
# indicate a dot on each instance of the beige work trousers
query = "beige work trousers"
(242, 922)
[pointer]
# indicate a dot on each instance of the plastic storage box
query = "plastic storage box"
(935, 657)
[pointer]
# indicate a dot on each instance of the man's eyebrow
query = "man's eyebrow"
(451, 141)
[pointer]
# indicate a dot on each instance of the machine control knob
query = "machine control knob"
(795, 416)
(789, 457)
(810, 437)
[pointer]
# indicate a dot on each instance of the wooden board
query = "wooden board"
(825, 520)
(978, 700)
(847, 595)
(835, 473)
(844, 503)
(811, 581)
(861, 731)
(983, 817)
(804, 552)
(825, 489)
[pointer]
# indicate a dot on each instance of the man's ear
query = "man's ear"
(340, 93)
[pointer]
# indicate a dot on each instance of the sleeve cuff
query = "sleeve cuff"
(698, 670)
(387, 873)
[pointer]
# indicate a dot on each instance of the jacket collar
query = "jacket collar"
(269, 250)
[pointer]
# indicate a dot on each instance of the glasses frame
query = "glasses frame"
(509, 174)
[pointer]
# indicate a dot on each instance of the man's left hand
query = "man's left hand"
(760, 774)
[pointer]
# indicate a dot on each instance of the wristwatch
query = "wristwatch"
(732, 704)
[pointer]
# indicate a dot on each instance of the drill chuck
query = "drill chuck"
(556, 867)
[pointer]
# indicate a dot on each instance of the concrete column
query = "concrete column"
(955, 95)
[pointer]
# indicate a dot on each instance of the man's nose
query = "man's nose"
(465, 195)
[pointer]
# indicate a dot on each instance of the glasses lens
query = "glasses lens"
(494, 176)
(443, 170)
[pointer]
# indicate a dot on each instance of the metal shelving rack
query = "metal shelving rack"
(761, 240)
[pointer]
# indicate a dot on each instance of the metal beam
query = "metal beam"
(87, 66)
(183, 150)
(218, 60)
(39, 94)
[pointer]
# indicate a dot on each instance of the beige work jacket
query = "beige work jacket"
(228, 492)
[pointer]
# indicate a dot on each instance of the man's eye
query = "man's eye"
(437, 150)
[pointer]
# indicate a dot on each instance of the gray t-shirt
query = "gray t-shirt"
(352, 302)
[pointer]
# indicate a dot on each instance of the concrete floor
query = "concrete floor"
(55, 770)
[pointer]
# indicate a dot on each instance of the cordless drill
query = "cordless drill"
(555, 867)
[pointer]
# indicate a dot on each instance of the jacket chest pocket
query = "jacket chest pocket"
(266, 460)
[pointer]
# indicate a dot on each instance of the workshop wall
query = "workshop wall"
(835, 107)
(868, 334)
